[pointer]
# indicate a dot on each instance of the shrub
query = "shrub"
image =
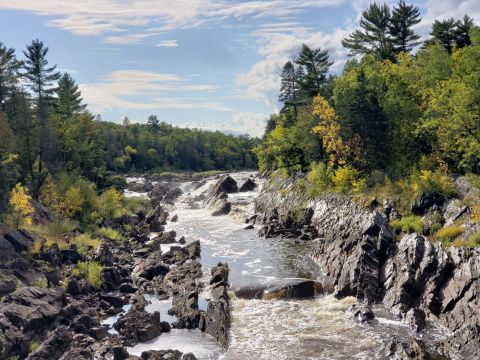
(347, 179)
(21, 210)
(32, 346)
(408, 224)
(109, 233)
(41, 283)
(474, 180)
(319, 179)
(433, 182)
(472, 241)
(447, 234)
(85, 242)
(92, 271)
(109, 204)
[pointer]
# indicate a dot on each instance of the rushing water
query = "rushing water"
(319, 328)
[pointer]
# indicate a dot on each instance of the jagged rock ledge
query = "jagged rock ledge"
(414, 279)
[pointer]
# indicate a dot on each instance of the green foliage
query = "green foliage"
(433, 182)
(320, 179)
(91, 271)
(41, 283)
(32, 346)
(448, 234)
(109, 233)
(347, 179)
(85, 242)
(408, 224)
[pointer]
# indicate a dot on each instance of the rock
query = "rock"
(454, 210)
(162, 355)
(120, 353)
(165, 193)
(216, 321)
(98, 333)
(53, 255)
(416, 318)
(225, 185)
(111, 278)
(362, 313)
(248, 185)
(150, 268)
(8, 284)
(223, 208)
(426, 202)
(249, 227)
(41, 214)
(174, 218)
(104, 256)
(165, 238)
(139, 326)
(71, 256)
(286, 289)
(182, 240)
(412, 350)
(7, 251)
(115, 301)
(127, 288)
(54, 345)
(21, 240)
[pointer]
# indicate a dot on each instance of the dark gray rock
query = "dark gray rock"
(221, 208)
(7, 251)
(225, 185)
(248, 185)
(54, 345)
(21, 240)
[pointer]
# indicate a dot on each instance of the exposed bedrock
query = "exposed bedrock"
(416, 280)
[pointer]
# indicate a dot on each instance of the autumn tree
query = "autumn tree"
(21, 209)
(328, 129)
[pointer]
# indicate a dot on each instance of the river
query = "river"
(320, 328)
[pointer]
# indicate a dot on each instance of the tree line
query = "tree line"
(390, 110)
(47, 130)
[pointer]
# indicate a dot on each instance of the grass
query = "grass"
(53, 233)
(32, 346)
(85, 242)
(472, 242)
(109, 233)
(408, 224)
(41, 283)
(91, 271)
(448, 234)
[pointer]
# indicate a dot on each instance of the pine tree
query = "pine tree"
(69, 99)
(9, 73)
(463, 30)
(289, 92)
(404, 17)
(375, 37)
(314, 64)
(126, 121)
(153, 123)
(444, 32)
(40, 79)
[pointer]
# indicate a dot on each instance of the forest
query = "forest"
(401, 111)
(48, 132)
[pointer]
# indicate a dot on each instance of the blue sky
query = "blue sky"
(211, 64)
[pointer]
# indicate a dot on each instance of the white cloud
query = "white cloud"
(96, 17)
(241, 123)
(262, 81)
(142, 90)
(168, 43)
(129, 38)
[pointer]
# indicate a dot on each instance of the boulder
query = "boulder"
(426, 202)
(54, 345)
(52, 254)
(104, 256)
(139, 326)
(225, 185)
(7, 251)
(222, 207)
(165, 238)
(174, 218)
(362, 313)
(21, 240)
(248, 185)
(149, 268)
(72, 256)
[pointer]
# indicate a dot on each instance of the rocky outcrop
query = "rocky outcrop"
(419, 282)
(54, 345)
(226, 185)
(248, 185)
(217, 317)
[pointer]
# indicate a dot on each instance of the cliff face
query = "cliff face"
(413, 278)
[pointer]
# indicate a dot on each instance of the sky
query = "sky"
(209, 64)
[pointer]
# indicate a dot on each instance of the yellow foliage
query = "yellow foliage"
(92, 271)
(84, 242)
(346, 178)
(73, 202)
(329, 130)
(110, 204)
(21, 209)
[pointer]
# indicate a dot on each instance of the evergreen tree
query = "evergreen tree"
(289, 92)
(40, 78)
(404, 17)
(445, 33)
(153, 123)
(9, 73)
(463, 30)
(375, 37)
(126, 121)
(314, 64)
(69, 99)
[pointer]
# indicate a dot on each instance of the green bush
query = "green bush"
(433, 182)
(472, 242)
(91, 271)
(85, 242)
(319, 179)
(32, 346)
(109, 233)
(447, 234)
(408, 224)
